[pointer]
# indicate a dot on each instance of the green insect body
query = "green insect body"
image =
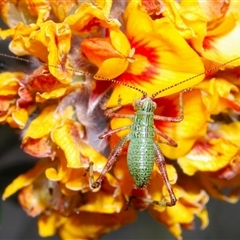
(143, 151)
(140, 156)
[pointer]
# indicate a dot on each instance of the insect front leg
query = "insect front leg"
(111, 160)
(173, 119)
(160, 161)
(111, 111)
(169, 141)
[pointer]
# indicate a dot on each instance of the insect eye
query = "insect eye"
(139, 102)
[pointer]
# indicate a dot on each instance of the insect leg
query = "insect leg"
(169, 140)
(106, 134)
(111, 160)
(160, 161)
(173, 119)
(111, 111)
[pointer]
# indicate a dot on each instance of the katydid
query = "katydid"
(143, 151)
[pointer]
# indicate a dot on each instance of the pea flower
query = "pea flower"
(91, 55)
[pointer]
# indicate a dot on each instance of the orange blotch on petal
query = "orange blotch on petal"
(40, 147)
(99, 49)
(41, 80)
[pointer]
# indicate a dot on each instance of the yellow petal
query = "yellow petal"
(208, 156)
(48, 224)
(67, 137)
(86, 15)
(216, 44)
(26, 179)
(43, 124)
(106, 69)
(88, 225)
(186, 132)
(20, 116)
(120, 42)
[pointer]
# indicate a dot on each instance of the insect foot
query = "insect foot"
(93, 184)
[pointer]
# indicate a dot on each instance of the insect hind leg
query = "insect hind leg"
(160, 161)
(111, 160)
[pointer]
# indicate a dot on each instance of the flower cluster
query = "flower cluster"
(151, 45)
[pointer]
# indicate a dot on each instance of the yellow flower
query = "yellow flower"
(144, 57)
(13, 11)
(164, 52)
(88, 17)
(59, 201)
(191, 202)
(91, 225)
(212, 152)
(16, 100)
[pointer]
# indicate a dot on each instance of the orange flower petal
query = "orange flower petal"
(40, 147)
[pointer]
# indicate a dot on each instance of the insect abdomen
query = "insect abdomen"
(140, 160)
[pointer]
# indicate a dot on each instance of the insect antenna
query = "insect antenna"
(75, 71)
(189, 79)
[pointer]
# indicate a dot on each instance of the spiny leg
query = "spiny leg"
(160, 161)
(111, 160)
(169, 141)
(109, 133)
(173, 119)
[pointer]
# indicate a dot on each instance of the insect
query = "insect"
(143, 151)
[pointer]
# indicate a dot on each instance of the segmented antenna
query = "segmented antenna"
(116, 81)
(188, 79)
(76, 71)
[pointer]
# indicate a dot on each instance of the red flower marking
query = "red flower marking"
(207, 43)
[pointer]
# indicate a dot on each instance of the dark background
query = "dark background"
(15, 224)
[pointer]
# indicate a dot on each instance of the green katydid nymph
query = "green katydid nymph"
(143, 151)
